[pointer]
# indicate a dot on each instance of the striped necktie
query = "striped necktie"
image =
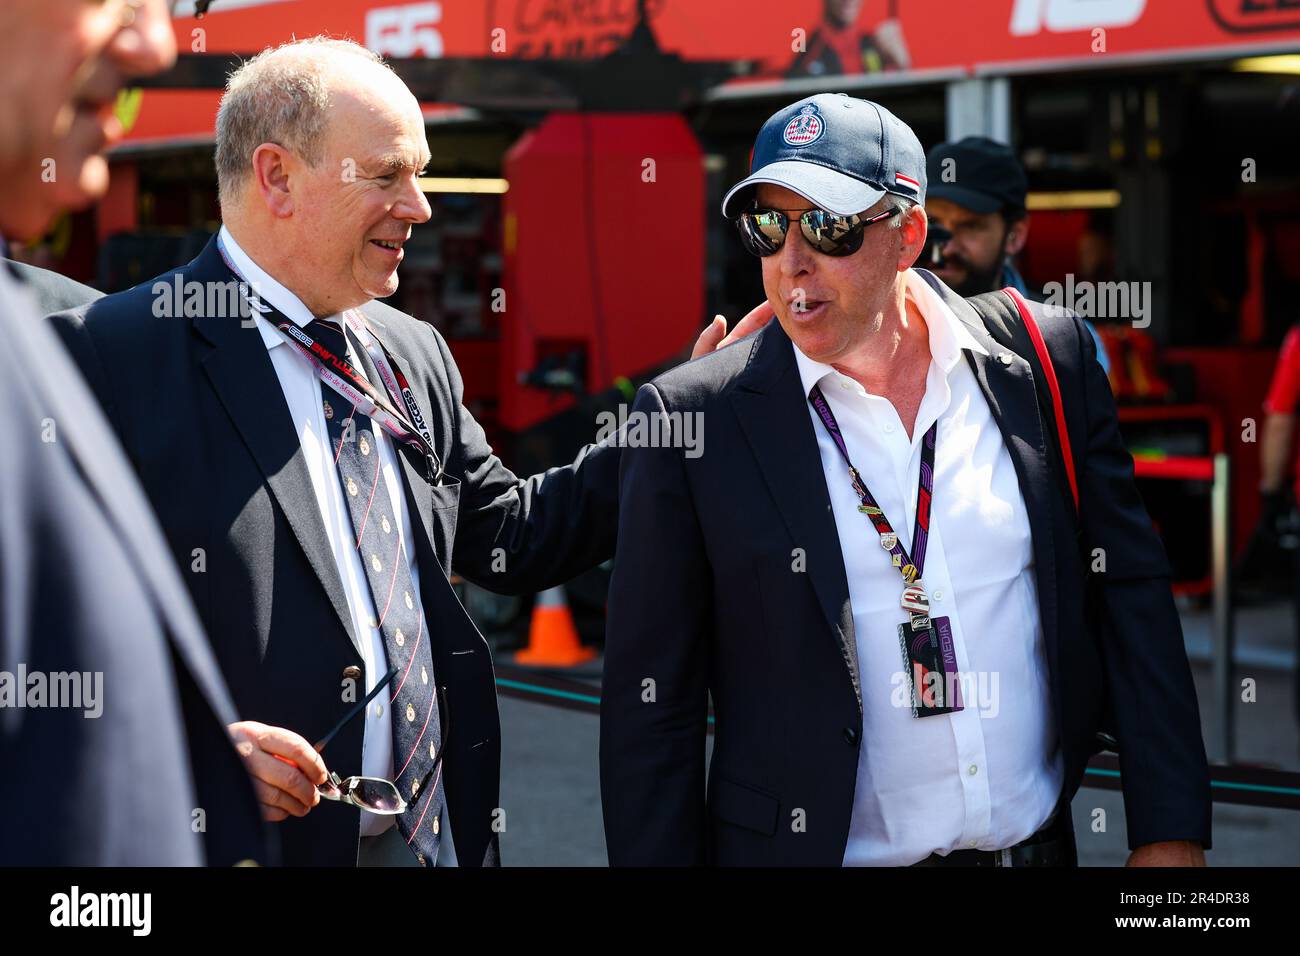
(412, 699)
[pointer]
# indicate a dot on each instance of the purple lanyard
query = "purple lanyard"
(910, 567)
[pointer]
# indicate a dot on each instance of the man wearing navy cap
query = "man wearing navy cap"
(906, 659)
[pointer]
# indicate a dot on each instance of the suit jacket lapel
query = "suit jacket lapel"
(245, 381)
(773, 413)
(1007, 381)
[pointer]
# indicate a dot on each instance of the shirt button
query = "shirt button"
(379, 710)
(972, 770)
(889, 427)
(938, 595)
(846, 386)
(971, 843)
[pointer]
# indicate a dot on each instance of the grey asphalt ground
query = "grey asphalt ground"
(551, 794)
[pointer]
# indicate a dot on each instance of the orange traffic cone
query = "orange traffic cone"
(552, 638)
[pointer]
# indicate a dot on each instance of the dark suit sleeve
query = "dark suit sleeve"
(517, 535)
(1161, 752)
(654, 699)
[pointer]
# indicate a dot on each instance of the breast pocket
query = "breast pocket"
(445, 500)
(446, 495)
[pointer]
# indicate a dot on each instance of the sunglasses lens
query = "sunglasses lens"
(377, 796)
(830, 234)
(328, 790)
(763, 232)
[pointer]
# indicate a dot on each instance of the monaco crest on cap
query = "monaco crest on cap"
(840, 153)
(805, 127)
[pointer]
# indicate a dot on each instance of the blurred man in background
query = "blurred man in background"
(132, 765)
(977, 199)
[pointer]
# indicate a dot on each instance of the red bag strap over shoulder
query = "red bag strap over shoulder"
(1049, 372)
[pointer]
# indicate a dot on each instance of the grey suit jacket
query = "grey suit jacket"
(142, 772)
(52, 291)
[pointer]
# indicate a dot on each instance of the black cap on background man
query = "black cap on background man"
(977, 193)
(984, 175)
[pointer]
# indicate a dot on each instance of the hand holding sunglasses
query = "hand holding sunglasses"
(372, 794)
(763, 231)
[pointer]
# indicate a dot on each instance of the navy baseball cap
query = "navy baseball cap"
(838, 152)
(984, 175)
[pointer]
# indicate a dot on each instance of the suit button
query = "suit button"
(352, 673)
(851, 736)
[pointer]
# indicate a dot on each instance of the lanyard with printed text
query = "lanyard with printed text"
(914, 598)
(390, 372)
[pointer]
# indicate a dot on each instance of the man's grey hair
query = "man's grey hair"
(279, 96)
(904, 206)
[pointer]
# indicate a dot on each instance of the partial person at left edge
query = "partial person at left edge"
(112, 708)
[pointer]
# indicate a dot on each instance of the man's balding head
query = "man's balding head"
(283, 95)
(319, 150)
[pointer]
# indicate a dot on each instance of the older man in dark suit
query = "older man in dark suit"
(315, 471)
(112, 709)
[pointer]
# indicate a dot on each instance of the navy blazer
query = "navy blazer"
(199, 408)
(703, 601)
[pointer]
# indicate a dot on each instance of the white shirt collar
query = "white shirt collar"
(948, 335)
(266, 288)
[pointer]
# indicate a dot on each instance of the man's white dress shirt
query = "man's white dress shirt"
(988, 776)
(302, 394)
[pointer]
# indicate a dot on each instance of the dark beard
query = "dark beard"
(979, 281)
